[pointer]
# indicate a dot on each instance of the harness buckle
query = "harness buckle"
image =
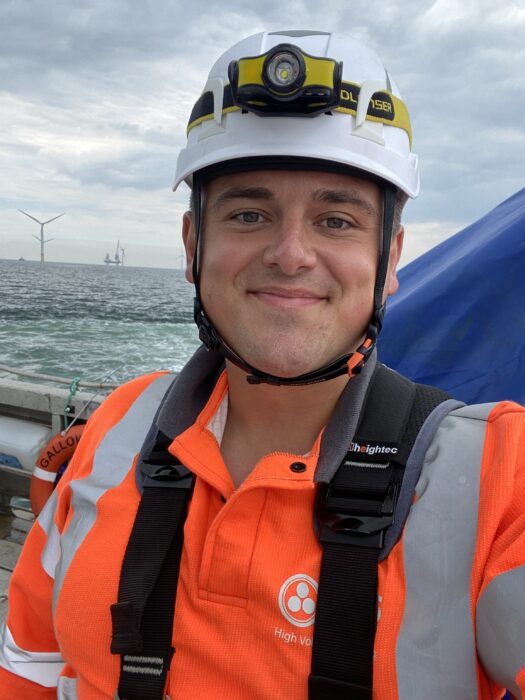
(117, 697)
(173, 474)
(362, 522)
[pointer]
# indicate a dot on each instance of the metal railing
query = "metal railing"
(60, 380)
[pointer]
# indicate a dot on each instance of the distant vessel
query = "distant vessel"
(118, 259)
(21, 259)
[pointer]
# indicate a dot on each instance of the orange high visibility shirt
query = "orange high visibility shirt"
(248, 580)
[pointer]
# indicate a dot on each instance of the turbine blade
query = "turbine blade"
(53, 219)
(29, 215)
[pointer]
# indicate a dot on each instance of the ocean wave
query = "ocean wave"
(88, 321)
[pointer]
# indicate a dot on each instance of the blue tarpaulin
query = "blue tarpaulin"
(458, 320)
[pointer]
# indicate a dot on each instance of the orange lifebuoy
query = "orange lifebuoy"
(57, 452)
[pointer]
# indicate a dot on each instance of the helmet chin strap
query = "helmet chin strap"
(350, 364)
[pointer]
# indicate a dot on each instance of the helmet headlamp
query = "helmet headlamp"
(284, 71)
(285, 81)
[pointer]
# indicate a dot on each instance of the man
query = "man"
(299, 159)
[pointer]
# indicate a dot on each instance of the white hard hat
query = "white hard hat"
(365, 126)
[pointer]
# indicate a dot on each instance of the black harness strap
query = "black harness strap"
(353, 512)
(143, 616)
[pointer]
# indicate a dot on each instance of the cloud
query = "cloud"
(421, 237)
(94, 100)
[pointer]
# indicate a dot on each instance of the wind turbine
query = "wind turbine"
(42, 224)
(123, 254)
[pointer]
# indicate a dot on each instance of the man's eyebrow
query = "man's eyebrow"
(345, 197)
(240, 192)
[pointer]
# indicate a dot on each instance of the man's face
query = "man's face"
(289, 265)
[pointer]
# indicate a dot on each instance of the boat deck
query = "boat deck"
(13, 531)
(36, 405)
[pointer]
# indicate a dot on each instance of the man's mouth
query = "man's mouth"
(287, 297)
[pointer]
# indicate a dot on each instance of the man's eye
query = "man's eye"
(249, 217)
(335, 222)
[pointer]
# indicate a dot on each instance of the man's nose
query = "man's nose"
(290, 248)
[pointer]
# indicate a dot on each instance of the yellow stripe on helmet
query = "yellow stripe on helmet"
(384, 108)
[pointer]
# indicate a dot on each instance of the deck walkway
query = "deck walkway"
(13, 531)
(9, 552)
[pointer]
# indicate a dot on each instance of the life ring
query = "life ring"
(55, 454)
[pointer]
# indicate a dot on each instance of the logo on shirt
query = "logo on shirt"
(373, 448)
(298, 599)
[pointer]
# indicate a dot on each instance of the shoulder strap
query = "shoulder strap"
(353, 513)
(143, 616)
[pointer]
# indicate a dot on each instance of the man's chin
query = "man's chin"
(282, 359)
(284, 369)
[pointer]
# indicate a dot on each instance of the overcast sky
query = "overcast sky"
(95, 96)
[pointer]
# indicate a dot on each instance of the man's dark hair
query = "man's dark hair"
(401, 200)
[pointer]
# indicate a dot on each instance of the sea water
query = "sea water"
(94, 321)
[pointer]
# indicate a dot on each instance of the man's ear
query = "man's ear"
(396, 247)
(190, 242)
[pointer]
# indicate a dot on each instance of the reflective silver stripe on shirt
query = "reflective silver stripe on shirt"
(111, 464)
(51, 551)
(40, 667)
(46, 519)
(435, 651)
(500, 628)
(67, 688)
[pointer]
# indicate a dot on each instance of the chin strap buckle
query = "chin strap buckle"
(207, 334)
(357, 359)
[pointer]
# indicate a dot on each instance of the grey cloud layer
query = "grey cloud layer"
(97, 94)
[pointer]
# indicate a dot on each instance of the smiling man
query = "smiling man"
(287, 518)
(289, 264)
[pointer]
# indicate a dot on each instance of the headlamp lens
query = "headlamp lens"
(285, 81)
(283, 70)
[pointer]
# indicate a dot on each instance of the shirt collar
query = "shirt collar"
(192, 388)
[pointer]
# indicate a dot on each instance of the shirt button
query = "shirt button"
(298, 467)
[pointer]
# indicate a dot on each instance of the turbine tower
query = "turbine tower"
(42, 224)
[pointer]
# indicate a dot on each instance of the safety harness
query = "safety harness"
(354, 512)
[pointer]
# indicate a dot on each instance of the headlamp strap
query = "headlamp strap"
(384, 107)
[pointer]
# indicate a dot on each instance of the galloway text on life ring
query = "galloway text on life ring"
(57, 452)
